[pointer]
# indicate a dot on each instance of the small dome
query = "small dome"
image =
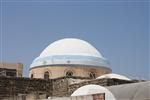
(112, 75)
(70, 51)
(93, 89)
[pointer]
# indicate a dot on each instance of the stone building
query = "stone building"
(20, 88)
(69, 57)
(61, 68)
(11, 69)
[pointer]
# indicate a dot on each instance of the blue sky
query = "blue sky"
(118, 29)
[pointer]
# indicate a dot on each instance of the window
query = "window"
(11, 73)
(46, 75)
(69, 73)
(31, 75)
(92, 75)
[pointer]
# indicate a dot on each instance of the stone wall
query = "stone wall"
(102, 82)
(60, 87)
(65, 86)
(11, 87)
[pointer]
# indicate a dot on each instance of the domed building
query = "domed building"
(69, 57)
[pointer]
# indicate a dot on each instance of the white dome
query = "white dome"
(93, 89)
(70, 46)
(112, 75)
(70, 51)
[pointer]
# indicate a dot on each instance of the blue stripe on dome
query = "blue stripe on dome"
(73, 57)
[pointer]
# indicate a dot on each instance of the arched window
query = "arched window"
(69, 73)
(31, 75)
(92, 75)
(46, 75)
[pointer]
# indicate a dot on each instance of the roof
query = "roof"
(70, 51)
(70, 46)
(93, 89)
(133, 91)
(112, 75)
